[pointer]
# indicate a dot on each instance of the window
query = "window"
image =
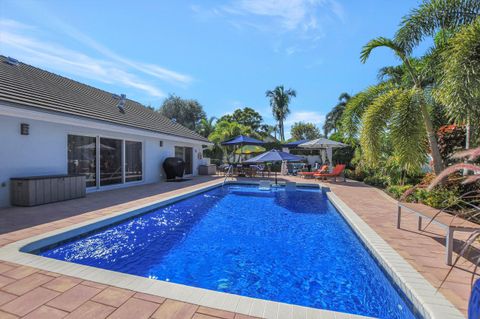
(117, 163)
(110, 161)
(82, 152)
(133, 161)
(185, 153)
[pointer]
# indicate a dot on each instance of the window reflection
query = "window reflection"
(133, 161)
(110, 161)
(82, 157)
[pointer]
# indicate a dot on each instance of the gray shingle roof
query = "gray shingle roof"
(30, 86)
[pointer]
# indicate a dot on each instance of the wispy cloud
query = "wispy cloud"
(28, 43)
(56, 57)
(301, 19)
(305, 116)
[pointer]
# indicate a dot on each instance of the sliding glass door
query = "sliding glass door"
(186, 154)
(105, 161)
(82, 155)
(110, 161)
(133, 161)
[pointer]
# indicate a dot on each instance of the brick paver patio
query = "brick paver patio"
(32, 293)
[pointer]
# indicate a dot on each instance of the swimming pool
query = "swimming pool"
(292, 247)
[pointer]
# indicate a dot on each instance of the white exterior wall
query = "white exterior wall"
(44, 150)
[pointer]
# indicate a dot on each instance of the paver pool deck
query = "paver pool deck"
(27, 292)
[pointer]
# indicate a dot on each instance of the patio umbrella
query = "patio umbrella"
(274, 156)
(250, 149)
(294, 144)
(242, 140)
(321, 144)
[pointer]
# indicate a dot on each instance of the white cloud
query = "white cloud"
(57, 57)
(303, 19)
(26, 43)
(305, 116)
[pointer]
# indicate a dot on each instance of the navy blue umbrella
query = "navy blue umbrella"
(274, 156)
(294, 144)
(243, 140)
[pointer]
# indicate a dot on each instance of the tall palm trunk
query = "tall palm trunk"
(432, 141)
(281, 129)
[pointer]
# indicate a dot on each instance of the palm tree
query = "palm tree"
(206, 126)
(332, 120)
(405, 107)
(460, 85)
(279, 100)
(225, 130)
(432, 16)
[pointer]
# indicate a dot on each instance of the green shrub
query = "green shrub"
(396, 191)
(376, 180)
(439, 197)
(354, 174)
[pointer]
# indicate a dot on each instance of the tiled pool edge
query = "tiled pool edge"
(426, 299)
(407, 278)
(203, 297)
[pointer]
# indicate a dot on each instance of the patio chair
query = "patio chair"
(323, 169)
(337, 172)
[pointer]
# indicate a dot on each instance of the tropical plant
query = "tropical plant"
(459, 89)
(279, 100)
(304, 131)
(469, 201)
(433, 16)
(406, 107)
(269, 130)
(206, 126)
(225, 130)
(332, 120)
(189, 113)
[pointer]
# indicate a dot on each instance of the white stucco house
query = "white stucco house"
(50, 124)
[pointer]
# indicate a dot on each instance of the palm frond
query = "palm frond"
(432, 16)
(356, 106)
(381, 42)
(408, 131)
(375, 121)
(459, 89)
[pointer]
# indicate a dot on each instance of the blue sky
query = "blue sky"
(225, 54)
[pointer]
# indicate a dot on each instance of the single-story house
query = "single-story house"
(50, 124)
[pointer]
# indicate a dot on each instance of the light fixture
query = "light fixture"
(24, 129)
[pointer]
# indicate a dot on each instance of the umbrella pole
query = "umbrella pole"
(276, 182)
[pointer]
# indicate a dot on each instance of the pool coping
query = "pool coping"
(425, 298)
(429, 302)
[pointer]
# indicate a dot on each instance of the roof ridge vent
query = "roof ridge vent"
(12, 61)
(122, 98)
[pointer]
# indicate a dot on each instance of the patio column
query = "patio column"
(330, 155)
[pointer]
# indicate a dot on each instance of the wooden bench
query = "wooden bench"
(442, 219)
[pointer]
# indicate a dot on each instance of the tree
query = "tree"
(333, 118)
(459, 87)
(432, 16)
(246, 116)
(189, 113)
(304, 131)
(225, 130)
(279, 101)
(404, 107)
(206, 126)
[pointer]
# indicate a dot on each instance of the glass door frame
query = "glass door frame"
(184, 157)
(97, 137)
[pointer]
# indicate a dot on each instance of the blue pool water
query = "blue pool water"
(291, 247)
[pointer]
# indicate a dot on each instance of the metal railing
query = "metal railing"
(229, 171)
